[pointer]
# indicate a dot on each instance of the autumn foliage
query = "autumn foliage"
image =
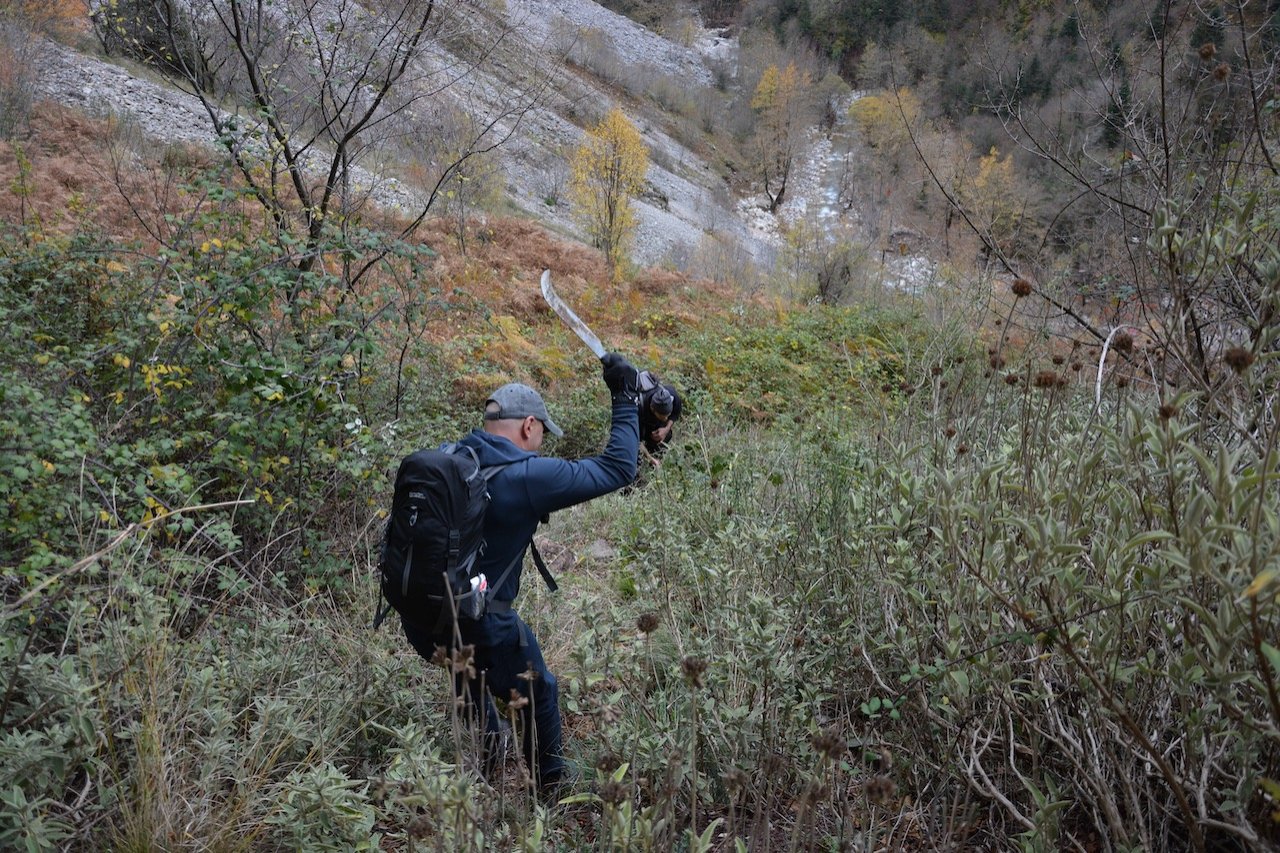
(607, 171)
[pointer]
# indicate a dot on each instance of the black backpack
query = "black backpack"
(433, 537)
(646, 383)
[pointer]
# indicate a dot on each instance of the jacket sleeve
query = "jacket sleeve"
(555, 484)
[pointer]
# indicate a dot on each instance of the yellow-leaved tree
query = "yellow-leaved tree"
(782, 103)
(996, 201)
(887, 120)
(607, 171)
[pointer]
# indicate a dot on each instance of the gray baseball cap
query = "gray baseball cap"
(517, 401)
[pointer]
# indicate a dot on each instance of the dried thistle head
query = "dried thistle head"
(1122, 381)
(736, 780)
(464, 661)
(647, 623)
(1059, 359)
(962, 449)
(607, 763)
(1208, 51)
(1123, 342)
(996, 361)
(886, 388)
(1075, 366)
(693, 668)
(1046, 379)
(613, 793)
(949, 432)
(828, 743)
(1021, 287)
(1168, 411)
(1238, 359)
(1011, 379)
(517, 700)
(936, 370)
(421, 826)
(440, 657)
(906, 388)
(880, 790)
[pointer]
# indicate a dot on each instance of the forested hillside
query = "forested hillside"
(968, 537)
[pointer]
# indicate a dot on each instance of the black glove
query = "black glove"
(620, 376)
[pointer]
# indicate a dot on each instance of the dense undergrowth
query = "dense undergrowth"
(873, 599)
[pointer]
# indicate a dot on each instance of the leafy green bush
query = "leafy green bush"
(1047, 627)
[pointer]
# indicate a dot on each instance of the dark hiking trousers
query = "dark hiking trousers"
(502, 665)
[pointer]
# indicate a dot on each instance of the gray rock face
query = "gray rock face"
(686, 211)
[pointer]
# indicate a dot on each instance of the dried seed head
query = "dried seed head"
(886, 388)
(992, 350)
(828, 743)
(999, 321)
(936, 370)
(1059, 359)
(906, 388)
(736, 780)
(1046, 379)
(1168, 411)
(943, 384)
(421, 826)
(1208, 50)
(693, 668)
(949, 432)
(962, 449)
(1122, 381)
(463, 661)
(880, 790)
(1021, 287)
(1075, 366)
(440, 657)
(1011, 379)
(607, 763)
(1238, 359)
(1123, 342)
(612, 792)
(647, 623)
(515, 701)
(996, 361)
(1222, 72)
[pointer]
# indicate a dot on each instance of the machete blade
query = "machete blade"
(572, 320)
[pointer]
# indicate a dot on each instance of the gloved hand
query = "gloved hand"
(620, 376)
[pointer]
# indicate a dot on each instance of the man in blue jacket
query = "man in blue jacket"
(522, 494)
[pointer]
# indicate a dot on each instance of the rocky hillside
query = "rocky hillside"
(572, 56)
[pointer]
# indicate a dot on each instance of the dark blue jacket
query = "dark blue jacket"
(532, 486)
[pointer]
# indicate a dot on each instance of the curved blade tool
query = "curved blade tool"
(572, 320)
